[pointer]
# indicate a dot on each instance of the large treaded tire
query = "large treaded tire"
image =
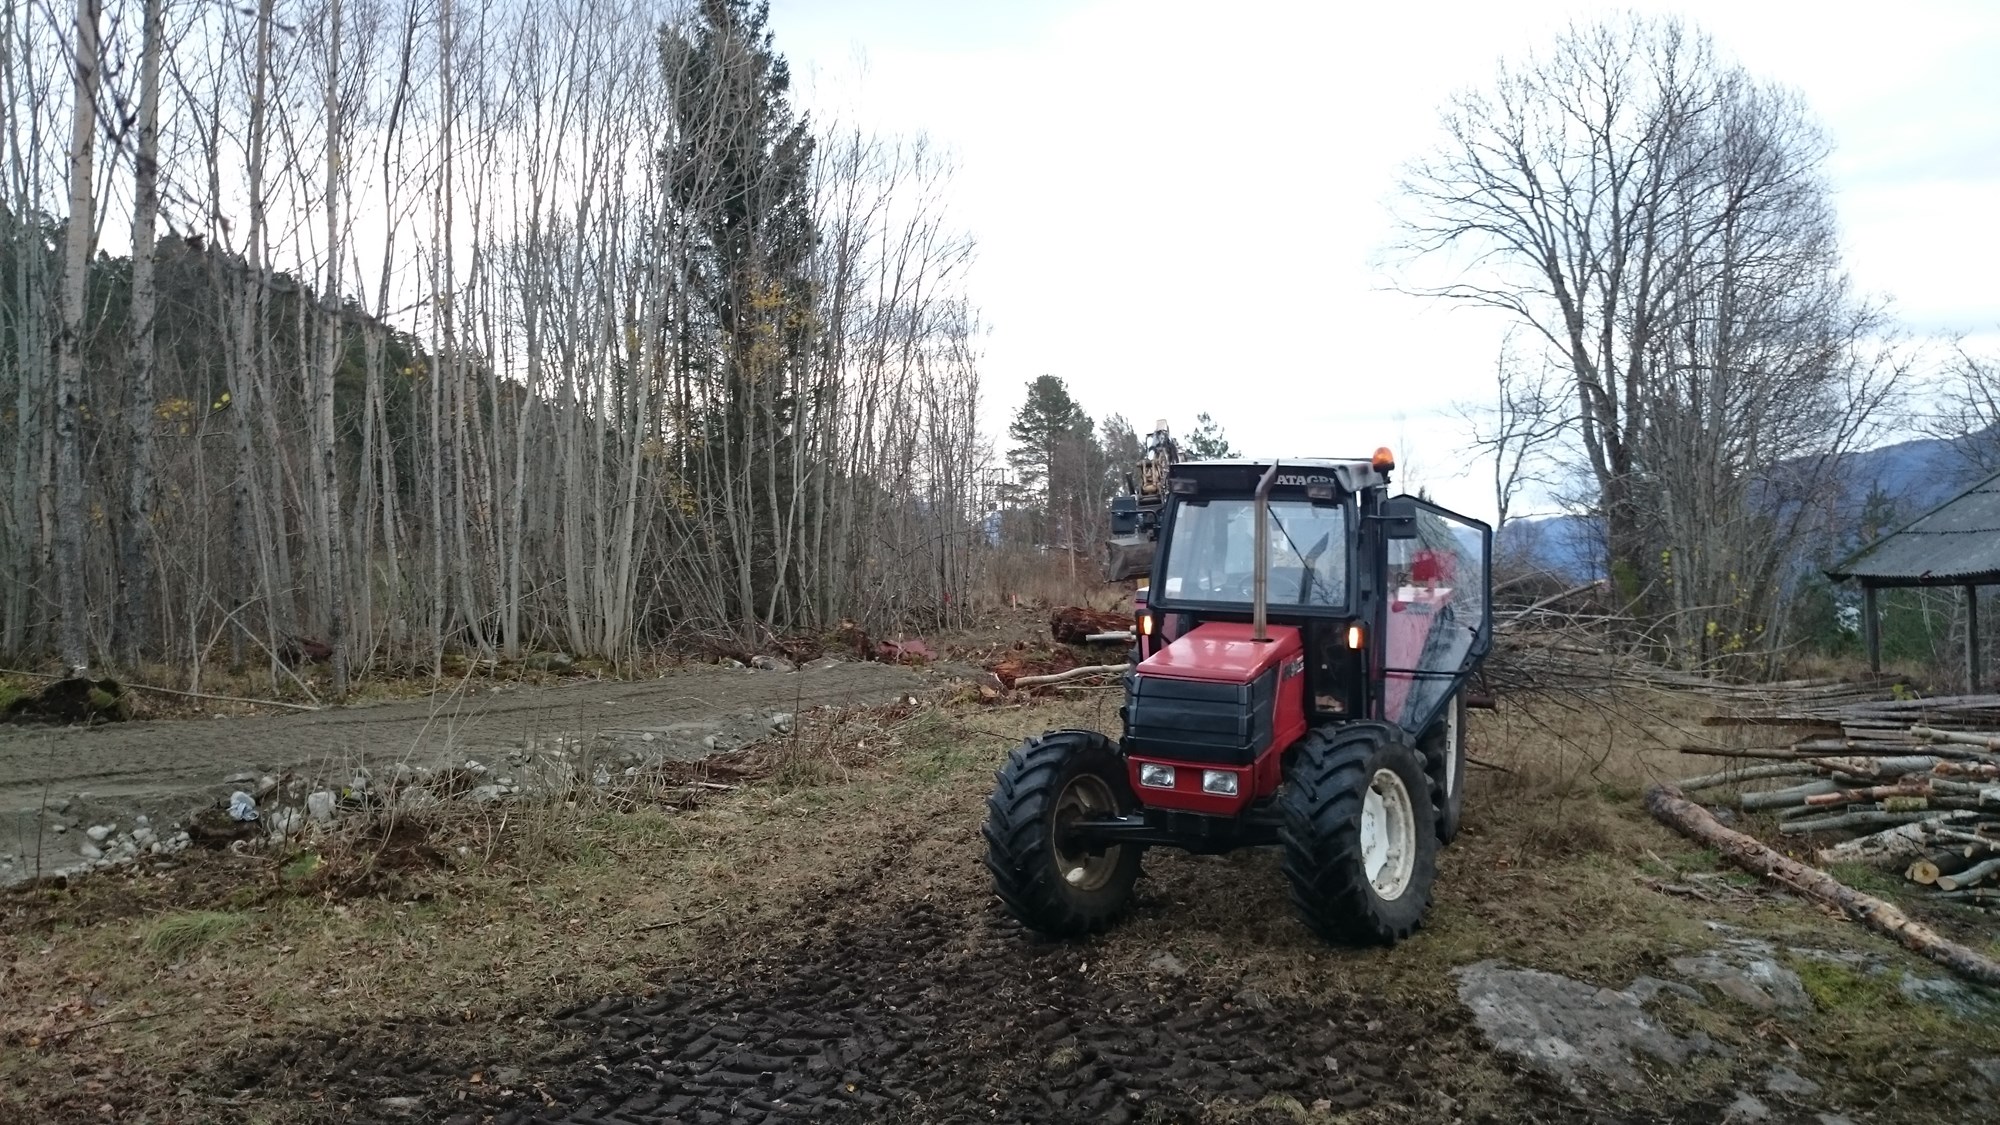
(1020, 834)
(1322, 805)
(1447, 770)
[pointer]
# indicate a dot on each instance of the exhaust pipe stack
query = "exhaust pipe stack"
(1261, 565)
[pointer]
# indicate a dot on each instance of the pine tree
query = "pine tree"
(1052, 453)
(1122, 451)
(740, 173)
(1207, 442)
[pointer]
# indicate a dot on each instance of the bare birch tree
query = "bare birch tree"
(458, 330)
(82, 219)
(1659, 220)
(135, 601)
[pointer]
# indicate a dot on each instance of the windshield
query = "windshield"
(1212, 549)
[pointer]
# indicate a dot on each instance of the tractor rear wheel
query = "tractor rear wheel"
(1360, 843)
(1444, 761)
(1051, 884)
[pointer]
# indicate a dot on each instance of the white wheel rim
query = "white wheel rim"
(1388, 835)
(1085, 796)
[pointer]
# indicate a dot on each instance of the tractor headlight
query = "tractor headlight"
(1222, 783)
(1158, 777)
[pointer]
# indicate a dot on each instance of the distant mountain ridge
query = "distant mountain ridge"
(1917, 475)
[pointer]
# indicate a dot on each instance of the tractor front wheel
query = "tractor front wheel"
(1359, 838)
(1050, 882)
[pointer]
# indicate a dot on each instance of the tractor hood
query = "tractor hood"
(1224, 652)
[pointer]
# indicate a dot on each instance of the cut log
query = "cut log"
(1884, 848)
(1869, 819)
(1938, 863)
(1977, 873)
(1979, 771)
(1745, 773)
(1832, 796)
(1961, 738)
(1073, 674)
(1981, 896)
(1784, 798)
(1779, 753)
(1878, 768)
(1671, 807)
(1973, 840)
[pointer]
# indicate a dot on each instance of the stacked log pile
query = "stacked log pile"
(1911, 784)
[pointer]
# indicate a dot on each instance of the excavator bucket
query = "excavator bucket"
(1128, 557)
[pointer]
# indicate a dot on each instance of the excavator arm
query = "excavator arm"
(1135, 514)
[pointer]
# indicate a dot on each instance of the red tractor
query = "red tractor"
(1302, 657)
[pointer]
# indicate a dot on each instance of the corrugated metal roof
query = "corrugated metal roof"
(1955, 544)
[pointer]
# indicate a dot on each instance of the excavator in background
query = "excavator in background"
(1135, 515)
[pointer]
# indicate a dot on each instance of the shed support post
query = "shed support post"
(1972, 676)
(1871, 628)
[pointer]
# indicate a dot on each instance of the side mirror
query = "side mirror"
(1399, 518)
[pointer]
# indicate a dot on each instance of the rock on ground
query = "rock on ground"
(1584, 1035)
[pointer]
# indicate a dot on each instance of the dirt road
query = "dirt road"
(79, 777)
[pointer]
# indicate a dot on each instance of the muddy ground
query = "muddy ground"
(78, 777)
(821, 943)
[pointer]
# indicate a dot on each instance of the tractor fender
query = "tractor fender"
(1388, 729)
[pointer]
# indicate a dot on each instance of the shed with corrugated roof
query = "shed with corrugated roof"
(1956, 543)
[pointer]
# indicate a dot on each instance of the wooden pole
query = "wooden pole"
(1871, 628)
(1973, 639)
(1072, 674)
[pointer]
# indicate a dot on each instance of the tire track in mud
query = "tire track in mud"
(911, 1021)
(905, 1008)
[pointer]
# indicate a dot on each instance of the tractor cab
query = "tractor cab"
(1384, 597)
(1303, 649)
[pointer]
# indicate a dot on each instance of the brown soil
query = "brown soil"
(900, 994)
(823, 943)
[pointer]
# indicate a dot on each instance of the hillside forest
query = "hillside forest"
(407, 327)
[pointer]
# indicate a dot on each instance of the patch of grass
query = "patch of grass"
(1869, 1029)
(1838, 989)
(941, 761)
(178, 936)
(300, 867)
(1868, 879)
(1618, 793)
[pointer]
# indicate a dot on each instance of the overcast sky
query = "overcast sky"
(1182, 207)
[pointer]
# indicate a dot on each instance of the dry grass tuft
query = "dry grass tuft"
(176, 937)
(1047, 580)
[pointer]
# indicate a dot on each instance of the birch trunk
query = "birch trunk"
(135, 584)
(70, 514)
